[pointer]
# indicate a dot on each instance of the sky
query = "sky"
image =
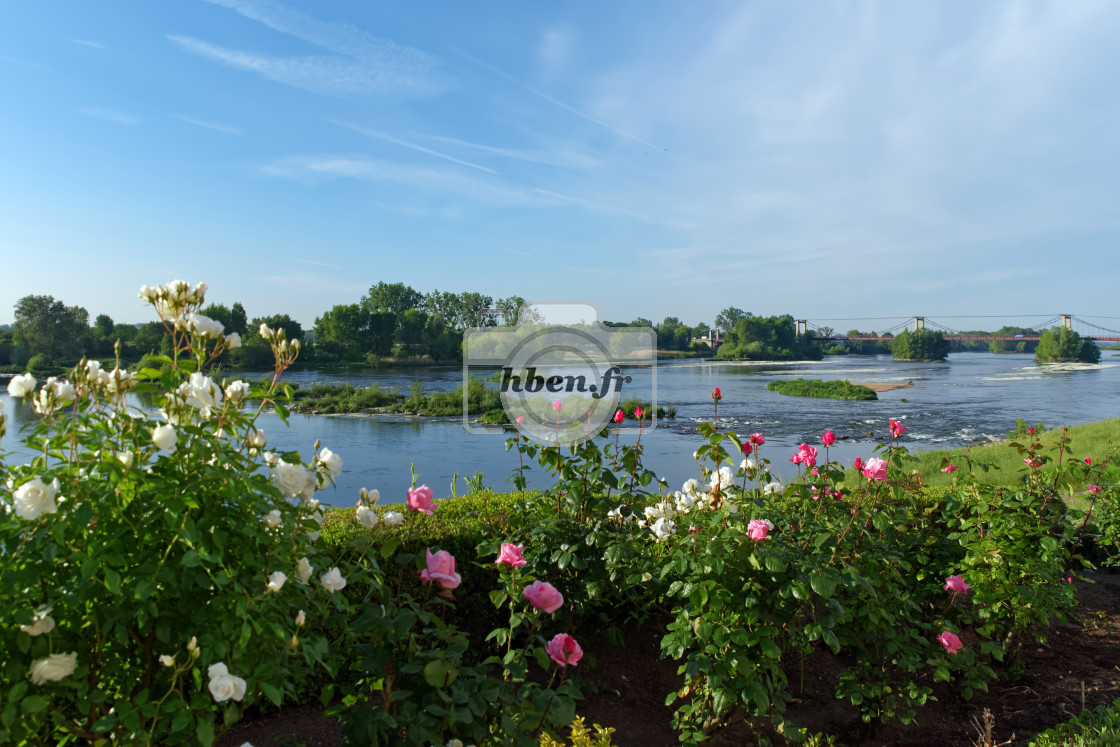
(829, 160)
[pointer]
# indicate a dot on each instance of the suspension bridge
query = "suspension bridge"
(1083, 327)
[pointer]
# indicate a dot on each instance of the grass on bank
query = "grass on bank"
(835, 389)
(1006, 466)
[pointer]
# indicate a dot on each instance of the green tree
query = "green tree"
(395, 298)
(1064, 345)
(351, 332)
(728, 318)
(920, 345)
(1012, 346)
(46, 327)
(511, 309)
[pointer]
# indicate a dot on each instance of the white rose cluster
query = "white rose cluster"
(201, 393)
(53, 395)
(293, 480)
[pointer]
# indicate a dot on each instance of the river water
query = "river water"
(955, 403)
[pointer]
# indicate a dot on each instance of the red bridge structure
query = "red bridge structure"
(1090, 330)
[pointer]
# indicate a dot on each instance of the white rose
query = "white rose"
(201, 393)
(774, 488)
(43, 623)
(393, 518)
(166, 660)
(233, 340)
(367, 517)
(164, 438)
(301, 618)
(53, 668)
(63, 390)
(147, 294)
(224, 685)
(33, 499)
(331, 462)
(257, 440)
(332, 580)
(290, 479)
(237, 391)
(125, 458)
(22, 385)
(276, 581)
(93, 369)
(272, 519)
(266, 332)
(663, 528)
(204, 326)
(119, 380)
(303, 571)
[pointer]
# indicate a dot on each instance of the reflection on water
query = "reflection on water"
(954, 403)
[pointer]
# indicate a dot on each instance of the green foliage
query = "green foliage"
(1090, 728)
(326, 398)
(835, 389)
(1012, 346)
(1064, 345)
(921, 345)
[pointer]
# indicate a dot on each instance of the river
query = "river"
(954, 403)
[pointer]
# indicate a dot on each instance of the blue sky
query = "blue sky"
(823, 159)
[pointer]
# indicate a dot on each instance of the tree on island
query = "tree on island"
(920, 345)
(768, 338)
(1063, 345)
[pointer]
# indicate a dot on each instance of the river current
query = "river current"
(963, 401)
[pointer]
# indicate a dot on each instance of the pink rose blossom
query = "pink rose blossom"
(857, 465)
(543, 596)
(896, 428)
(950, 641)
(557, 405)
(1094, 489)
(441, 569)
(717, 395)
(828, 438)
(638, 413)
(758, 528)
(1088, 460)
(619, 416)
(520, 419)
(746, 448)
(951, 468)
(564, 650)
(956, 584)
(876, 469)
(420, 499)
(511, 555)
(757, 439)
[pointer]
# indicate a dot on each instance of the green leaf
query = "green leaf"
(438, 673)
(113, 581)
(272, 692)
(34, 704)
(542, 657)
(823, 585)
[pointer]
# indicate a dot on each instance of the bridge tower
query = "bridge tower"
(1067, 321)
(919, 323)
(802, 327)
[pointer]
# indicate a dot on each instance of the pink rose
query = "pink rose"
(896, 428)
(717, 395)
(543, 596)
(757, 439)
(1088, 460)
(564, 650)
(619, 416)
(746, 448)
(828, 438)
(420, 499)
(875, 469)
(557, 405)
(441, 569)
(511, 555)
(638, 413)
(857, 465)
(956, 584)
(950, 641)
(1094, 489)
(951, 468)
(758, 528)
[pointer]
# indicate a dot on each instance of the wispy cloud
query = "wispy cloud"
(557, 102)
(85, 43)
(228, 129)
(361, 63)
(319, 264)
(424, 179)
(563, 158)
(308, 283)
(24, 63)
(406, 144)
(109, 115)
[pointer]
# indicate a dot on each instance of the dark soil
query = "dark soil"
(1078, 667)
